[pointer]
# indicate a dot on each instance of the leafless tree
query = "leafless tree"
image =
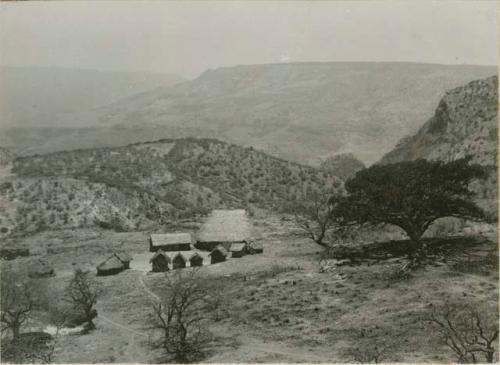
(316, 215)
(467, 332)
(82, 294)
(35, 348)
(182, 316)
(20, 298)
(16, 303)
(43, 352)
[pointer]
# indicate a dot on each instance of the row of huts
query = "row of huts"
(225, 234)
(160, 261)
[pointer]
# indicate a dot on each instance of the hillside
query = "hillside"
(31, 96)
(140, 185)
(464, 123)
(299, 111)
(344, 165)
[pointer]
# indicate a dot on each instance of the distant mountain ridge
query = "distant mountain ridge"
(34, 96)
(298, 111)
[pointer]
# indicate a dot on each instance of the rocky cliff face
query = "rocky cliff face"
(464, 123)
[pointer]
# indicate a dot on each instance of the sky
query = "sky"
(188, 37)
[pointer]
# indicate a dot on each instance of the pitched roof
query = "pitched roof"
(237, 247)
(179, 254)
(123, 256)
(256, 244)
(110, 263)
(219, 248)
(160, 253)
(196, 254)
(164, 239)
(226, 226)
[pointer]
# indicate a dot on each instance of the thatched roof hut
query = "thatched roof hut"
(179, 261)
(160, 261)
(170, 242)
(40, 269)
(255, 247)
(125, 258)
(218, 254)
(238, 249)
(111, 266)
(195, 260)
(224, 227)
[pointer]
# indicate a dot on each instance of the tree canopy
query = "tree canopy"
(412, 194)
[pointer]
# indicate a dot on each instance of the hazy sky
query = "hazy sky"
(188, 37)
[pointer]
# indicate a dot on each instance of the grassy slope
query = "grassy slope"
(280, 309)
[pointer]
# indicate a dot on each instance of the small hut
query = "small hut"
(170, 242)
(160, 261)
(111, 266)
(125, 259)
(218, 254)
(179, 261)
(255, 248)
(196, 260)
(238, 250)
(40, 269)
(224, 227)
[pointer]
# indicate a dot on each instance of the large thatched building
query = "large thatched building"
(224, 227)
(170, 242)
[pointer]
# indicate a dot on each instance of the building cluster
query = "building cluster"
(226, 234)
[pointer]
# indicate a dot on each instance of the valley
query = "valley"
(303, 112)
(351, 300)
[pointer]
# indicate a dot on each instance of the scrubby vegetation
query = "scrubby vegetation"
(140, 185)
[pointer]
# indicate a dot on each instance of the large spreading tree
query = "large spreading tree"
(412, 195)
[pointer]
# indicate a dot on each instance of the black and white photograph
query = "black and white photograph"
(249, 182)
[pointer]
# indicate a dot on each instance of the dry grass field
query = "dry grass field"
(278, 306)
